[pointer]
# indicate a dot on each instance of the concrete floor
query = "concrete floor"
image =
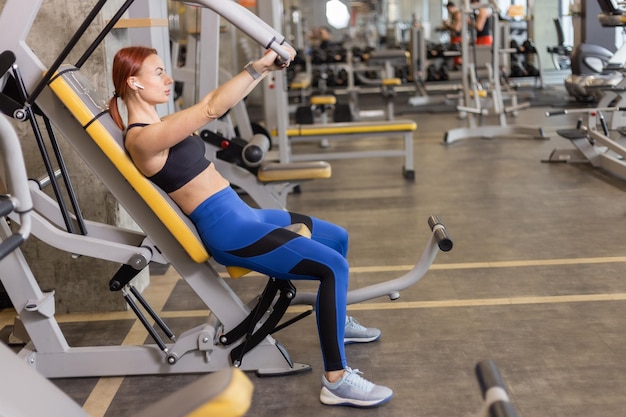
(534, 282)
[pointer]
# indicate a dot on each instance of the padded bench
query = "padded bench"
(351, 130)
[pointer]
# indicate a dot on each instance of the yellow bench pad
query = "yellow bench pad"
(352, 128)
(300, 83)
(294, 171)
(391, 81)
(328, 100)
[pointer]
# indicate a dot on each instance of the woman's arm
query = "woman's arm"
(157, 137)
(481, 19)
(456, 22)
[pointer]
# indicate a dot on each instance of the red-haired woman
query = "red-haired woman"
(167, 151)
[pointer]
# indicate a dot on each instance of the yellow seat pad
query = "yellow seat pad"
(352, 128)
(294, 171)
(318, 100)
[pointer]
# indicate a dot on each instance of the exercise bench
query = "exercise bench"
(354, 130)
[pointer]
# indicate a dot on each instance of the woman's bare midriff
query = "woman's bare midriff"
(192, 194)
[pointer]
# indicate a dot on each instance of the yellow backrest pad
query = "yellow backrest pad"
(148, 191)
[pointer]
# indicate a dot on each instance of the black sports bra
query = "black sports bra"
(185, 161)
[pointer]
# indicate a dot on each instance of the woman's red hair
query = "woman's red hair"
(126, 63)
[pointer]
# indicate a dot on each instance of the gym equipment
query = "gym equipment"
(496, 402)
(590, 145)
(385, 70)
(587, 82)
(323, 132)
(235, 333)
(598, 74)
(353, 130)
(560, 53)
(474, 91)
(419, 72)
(227, 392)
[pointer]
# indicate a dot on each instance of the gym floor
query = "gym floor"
(534, 282)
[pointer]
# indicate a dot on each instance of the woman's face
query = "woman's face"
(155, 81)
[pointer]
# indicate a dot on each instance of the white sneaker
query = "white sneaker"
(353, 390)
(356, 333)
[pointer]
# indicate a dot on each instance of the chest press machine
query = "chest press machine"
(235, 333)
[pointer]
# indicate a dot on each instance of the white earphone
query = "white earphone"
(139, 86)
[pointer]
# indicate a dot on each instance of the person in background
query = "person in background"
(482, 24)
(453, 25)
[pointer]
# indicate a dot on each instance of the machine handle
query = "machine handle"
(441, 234)
(10, 244)
(6, 205)
(496, 400)
(488, 376)
(585, 110)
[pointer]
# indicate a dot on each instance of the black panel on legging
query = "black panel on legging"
(267, 243)
(327, 311)
(300, 218)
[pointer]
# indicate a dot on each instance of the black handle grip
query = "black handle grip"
(10, 244)
(488, 376)
(6, 206)
(555, 113)
(441, 235)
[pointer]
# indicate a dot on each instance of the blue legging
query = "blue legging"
(238, 235)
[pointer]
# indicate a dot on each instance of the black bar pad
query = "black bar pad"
(502, 409)
(488, 376)
(6, 206)
(10, 244)
(8, 103)
(441, 235)
(7, 59)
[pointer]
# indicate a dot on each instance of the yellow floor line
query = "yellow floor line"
(499, 264)
(482, 265)
(396, 305)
